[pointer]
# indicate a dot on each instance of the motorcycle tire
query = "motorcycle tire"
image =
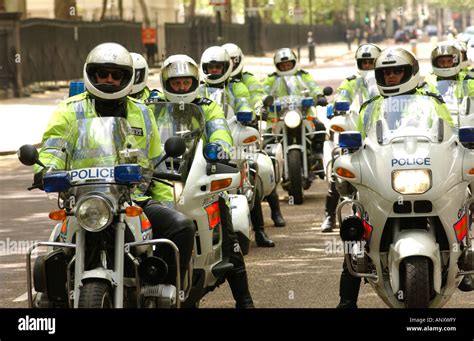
(295, 176)
(417, 282)
(95, 294)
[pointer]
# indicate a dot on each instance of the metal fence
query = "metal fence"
(254, 37)
(54, 50)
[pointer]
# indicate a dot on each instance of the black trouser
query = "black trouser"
(318, 139)
(237, 277)
(332, 198)
(348, 289)
(175, 226)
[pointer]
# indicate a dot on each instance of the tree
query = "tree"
(146, 18)
(104, 9)
(64, 9)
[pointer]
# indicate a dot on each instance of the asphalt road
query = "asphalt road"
(301, 271)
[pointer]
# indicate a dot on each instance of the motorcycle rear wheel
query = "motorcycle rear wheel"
(95, 294)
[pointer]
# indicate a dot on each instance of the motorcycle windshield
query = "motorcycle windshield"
(289, 102)
(96, 145)
(294, 86)
(447, 89)
(410, 115)
(185, 120)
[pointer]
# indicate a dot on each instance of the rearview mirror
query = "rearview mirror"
(28, 155)
(175, 146)
(327, 91)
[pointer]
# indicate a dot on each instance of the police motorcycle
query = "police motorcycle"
(409, 236)
(342, 116)
(294, 128)
(100, 253)
(461, 108)
(198, 179)
(257, 166)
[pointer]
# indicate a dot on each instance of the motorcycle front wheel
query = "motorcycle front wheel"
(417, 282)
(95, 294)
(295, 176)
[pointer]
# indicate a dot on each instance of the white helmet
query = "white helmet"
(216, 55)
(237, 57)
(140, 68)
(177, 66)
(399, 59)
(446, 50)
(284, 55)
(110, 56)
(364, 52)
(462, 47)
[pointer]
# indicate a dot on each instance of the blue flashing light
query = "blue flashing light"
(56, 182)
(211, 152)
(76, 88)
(350, 140)
(127, 174)
(342, 106)
(244, 116)
(307, 102)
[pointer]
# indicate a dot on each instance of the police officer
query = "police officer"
(277, 85)
(216, 68)
(140, 67)
(353, 89)
(108, 77)
(397, 73)
(446, 61)
(257, 94)
(180, 82)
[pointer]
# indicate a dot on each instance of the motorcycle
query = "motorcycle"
(409, 236)
(198, 179)
(460, 107)
(295, 129)
(100, 254)
(257, 166)
(342, 116)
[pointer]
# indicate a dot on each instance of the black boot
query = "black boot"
(348, 289)
(332, 199)
(238, 282)
(274, 203)
(256, 215)
(466, 284)
(262, 239)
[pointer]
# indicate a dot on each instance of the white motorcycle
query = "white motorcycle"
(198, 181)
(410, 235)
(294, 128)
(258, 168)
(461, 108)
(100, 254)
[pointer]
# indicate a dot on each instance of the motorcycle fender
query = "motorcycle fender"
(99, 273)
(411, 243)
(295, 146)
(266, 173)
(240, 214)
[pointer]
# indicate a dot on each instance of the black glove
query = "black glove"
(264, 114)
(38, 181)
(322, 101)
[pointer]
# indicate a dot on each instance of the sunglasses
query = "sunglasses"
(397, 72)
(116, 74)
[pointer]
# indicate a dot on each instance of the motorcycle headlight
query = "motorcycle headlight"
(412, 181)
(292, 119)
(94, 213)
